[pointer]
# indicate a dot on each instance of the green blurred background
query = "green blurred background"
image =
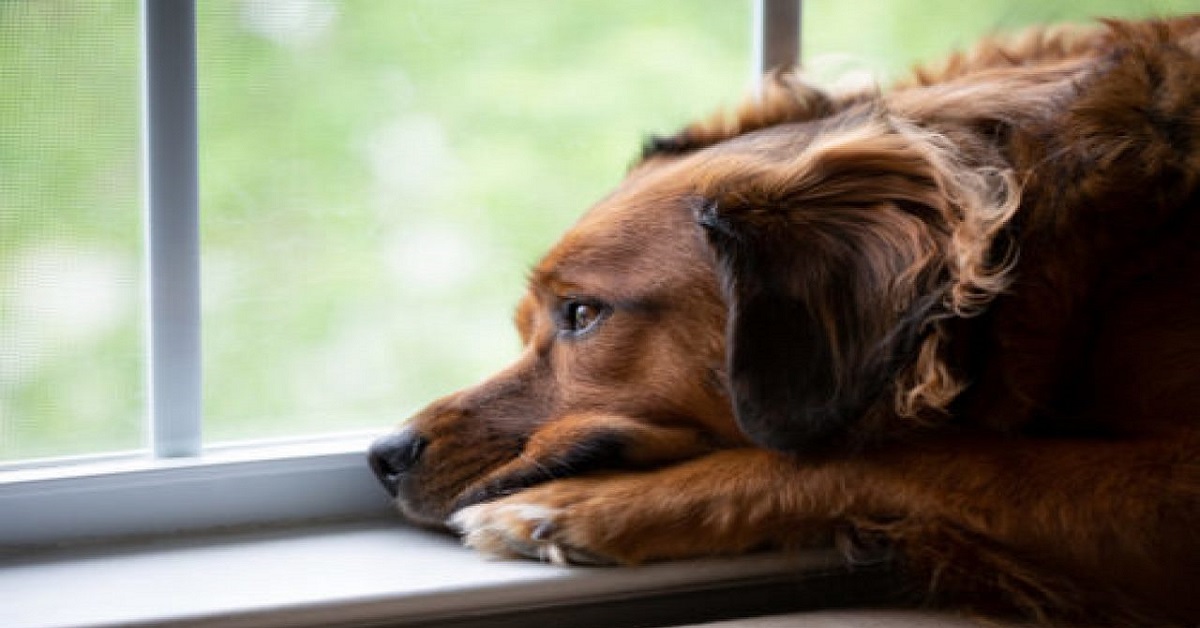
(376, 178)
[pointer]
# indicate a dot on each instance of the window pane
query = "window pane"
(377, 177)
(886, 37)
(70, 330)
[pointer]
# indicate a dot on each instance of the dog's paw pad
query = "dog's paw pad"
(520, 530)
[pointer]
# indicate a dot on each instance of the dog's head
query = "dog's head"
(775, 284)
(622, 327)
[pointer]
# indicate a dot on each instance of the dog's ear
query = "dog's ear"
(837, 263)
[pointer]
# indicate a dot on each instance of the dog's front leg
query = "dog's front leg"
(727, 502)
(1042, 528)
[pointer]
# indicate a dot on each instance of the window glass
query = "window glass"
(884, 38)
(70, 244)
(377, 178)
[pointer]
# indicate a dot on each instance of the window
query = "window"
(373, 180)
(363, 211)
(360, 240)
(892, 35)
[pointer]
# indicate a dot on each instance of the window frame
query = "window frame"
(171, 171)
(182, 485)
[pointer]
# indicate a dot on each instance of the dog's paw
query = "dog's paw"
(516, 527)
(567, 522)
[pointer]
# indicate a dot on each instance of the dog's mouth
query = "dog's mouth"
(603, 452)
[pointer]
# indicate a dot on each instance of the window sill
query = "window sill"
(384, 573)
(135, 496)
(301, 534)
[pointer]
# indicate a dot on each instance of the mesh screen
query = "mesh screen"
(70, 329)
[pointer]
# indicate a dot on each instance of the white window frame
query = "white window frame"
(183, 486)
(171, 174)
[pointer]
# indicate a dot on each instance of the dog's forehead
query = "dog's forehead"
(643, 231)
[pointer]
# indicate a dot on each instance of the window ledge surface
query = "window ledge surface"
(366, 573)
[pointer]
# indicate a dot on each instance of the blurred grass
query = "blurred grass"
(70, 348)
(376, 179)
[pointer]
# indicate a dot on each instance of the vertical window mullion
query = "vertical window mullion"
(172, 226)
(776, 35)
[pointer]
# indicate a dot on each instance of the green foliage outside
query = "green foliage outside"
(377, 176)
(70, 241)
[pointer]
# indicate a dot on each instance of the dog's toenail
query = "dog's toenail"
(543, 531)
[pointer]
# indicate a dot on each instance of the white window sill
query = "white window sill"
(136, 496)
(139, 542)
(382, 572)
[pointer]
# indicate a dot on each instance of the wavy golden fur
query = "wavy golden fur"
(957, 319)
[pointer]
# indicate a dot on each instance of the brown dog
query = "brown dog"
(960, 319)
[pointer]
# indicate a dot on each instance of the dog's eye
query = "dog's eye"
(580, 316)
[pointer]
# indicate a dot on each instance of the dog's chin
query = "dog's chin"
(421, 513)
(418, 509)
(420, 516)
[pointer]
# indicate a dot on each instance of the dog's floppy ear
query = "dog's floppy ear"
(837, 264)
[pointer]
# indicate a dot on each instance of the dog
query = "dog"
(957, 320)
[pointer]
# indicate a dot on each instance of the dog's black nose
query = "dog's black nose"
(394, 455)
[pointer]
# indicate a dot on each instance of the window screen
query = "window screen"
(884, 38)
(376, 177)
(70, 281)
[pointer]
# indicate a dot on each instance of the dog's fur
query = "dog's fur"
(958, 319)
